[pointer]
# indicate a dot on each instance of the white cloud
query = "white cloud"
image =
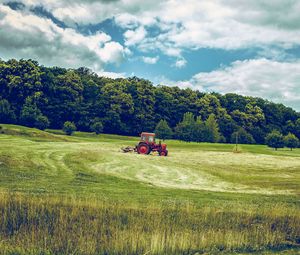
(112, 52)
(273, 80)
(126, 20)
(149, 60)
(136, 36)
(189, 24)
(180, 63)
(170, 50)
(24, 35)
(85, 12)
(193, 24)
(112, 75)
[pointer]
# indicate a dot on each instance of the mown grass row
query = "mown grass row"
(55, 225)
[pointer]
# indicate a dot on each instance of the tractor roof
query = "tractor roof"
(149, 134)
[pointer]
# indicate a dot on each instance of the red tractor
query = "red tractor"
(147, 144)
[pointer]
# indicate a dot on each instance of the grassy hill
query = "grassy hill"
(202, 198)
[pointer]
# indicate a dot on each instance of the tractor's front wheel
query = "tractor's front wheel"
(163, 153)
(143, 148)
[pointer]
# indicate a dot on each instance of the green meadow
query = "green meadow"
(80, 194)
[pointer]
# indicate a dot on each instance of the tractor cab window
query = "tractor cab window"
(149, 138)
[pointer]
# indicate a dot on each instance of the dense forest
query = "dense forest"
(47, 97)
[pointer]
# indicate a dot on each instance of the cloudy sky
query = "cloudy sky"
(247, 47)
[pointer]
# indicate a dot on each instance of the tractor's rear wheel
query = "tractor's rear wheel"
(163, 153)
(143, 148)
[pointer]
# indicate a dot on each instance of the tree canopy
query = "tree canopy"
(275, 140)
(38, 96)
(69, 127)
(291, 141)
(163, 131)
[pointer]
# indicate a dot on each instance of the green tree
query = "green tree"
(291, 141)
(212, 129)
(227, 125)
(142, 93)
(164, 100)
(209, 104)
(7, 115)
(233, 102)
(251, 117)
(23, 78)
(31, 115)
(119, 107)
(97, 127)
(242, 137)
(199, 130)
(258, 134)
(41, 122)
(69, 127)
(162, 130)
(297, 128)
(66, 98)
(289, 127)
(222, 139)
(275, 140)
(184, 130)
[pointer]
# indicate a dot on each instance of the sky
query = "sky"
(228, 46)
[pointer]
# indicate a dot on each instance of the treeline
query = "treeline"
(47, 97)
(191, 129)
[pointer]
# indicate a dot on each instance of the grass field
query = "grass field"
(82, 195)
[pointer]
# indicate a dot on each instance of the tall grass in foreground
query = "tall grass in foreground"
(49, 225)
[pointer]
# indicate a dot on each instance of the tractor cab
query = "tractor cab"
(147, 144)
(147, 137)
